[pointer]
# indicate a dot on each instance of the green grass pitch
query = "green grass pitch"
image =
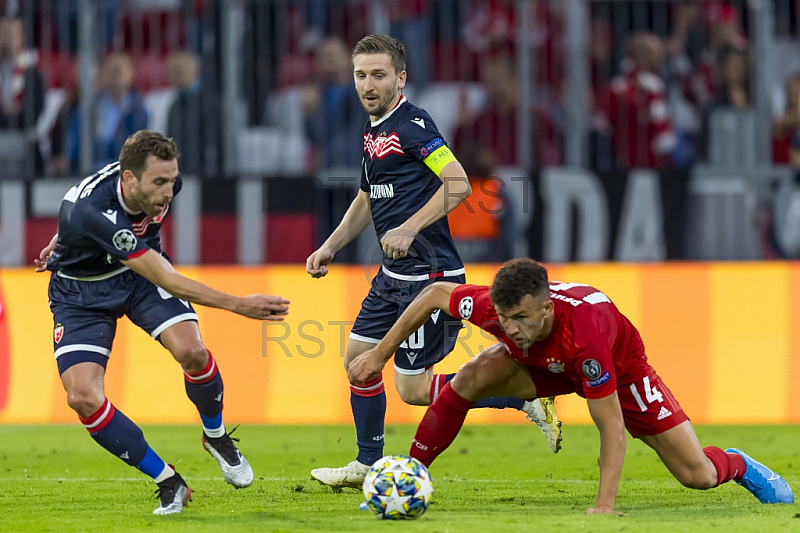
(493, 478)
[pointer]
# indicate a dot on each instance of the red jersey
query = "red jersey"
(592, 347)
(636, 109)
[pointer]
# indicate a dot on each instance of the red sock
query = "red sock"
(371, 387)
(729, 465)
(438, 383)
(440, 425)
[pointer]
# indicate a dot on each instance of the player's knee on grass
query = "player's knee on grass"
(413, 390)
(192, 357)
(698, 481)
(700, 477)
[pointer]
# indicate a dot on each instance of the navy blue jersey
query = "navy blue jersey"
(96, 230)
(399, 183)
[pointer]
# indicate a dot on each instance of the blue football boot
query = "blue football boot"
(762, 482)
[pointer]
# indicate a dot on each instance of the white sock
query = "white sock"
(167, 473)
(215, 433)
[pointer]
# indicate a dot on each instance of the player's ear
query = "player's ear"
(401, 79)
(547, 307)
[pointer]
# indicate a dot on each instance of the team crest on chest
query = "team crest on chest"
(382, 145)
(554, 365)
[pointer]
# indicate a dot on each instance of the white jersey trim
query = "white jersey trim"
(407, 372)
(361, 338)
(82, 348)
(174, 320)
(423, 277)
(121, 200)
(385, 117)
(99, 277)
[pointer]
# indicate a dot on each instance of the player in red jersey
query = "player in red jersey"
(557, 338)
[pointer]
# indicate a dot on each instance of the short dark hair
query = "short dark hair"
(517, 278)
(383, 44)
(141, 145)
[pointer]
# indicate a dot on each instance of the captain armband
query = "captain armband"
(439, 159)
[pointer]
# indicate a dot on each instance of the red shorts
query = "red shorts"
(648, 406)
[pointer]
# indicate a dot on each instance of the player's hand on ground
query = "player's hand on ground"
(264, 307)
(44, 255)
(602, 510)
(364, 367)
(315, 264)
(397, 241)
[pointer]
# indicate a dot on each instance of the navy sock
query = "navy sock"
(116, 433)
(368, 402)
(495, 402)
(499, 402)
(154, 466)
(205, 390)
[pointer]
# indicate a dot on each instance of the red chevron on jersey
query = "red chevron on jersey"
(382, 145)
(139, 228)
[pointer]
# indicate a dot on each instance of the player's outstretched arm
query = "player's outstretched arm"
(607, 415)
(355, 220)
(44, 255)
(371, 363)
(454, 190)
(155, 268)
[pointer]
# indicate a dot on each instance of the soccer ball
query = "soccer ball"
(397, 487)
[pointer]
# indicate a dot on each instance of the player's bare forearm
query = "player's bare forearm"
(607, 415)
(370, 364)
(158, 270)
(433, 297)
(355, 221)
(154, 267)
(41, 261)
(454, 190)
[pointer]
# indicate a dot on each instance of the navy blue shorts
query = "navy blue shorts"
(387, 299)
(85, 314)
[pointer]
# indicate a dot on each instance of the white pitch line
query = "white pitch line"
(295, 479)
(84, 479)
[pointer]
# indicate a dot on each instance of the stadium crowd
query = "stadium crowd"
(669, 84)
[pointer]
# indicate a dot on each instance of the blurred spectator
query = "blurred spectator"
(733, 93)
(734, 88)
(725, 33)
(794, 153)
(600, 42)
(348, 19)
(59, 163)
(65, 18)
(780, 212)
(636, 110)
(490, 26)
(494, 127)
(334, 117)
(410, 21)
(491, 29)
(117, 113)
(785, 127)
(601, 62)
(688, 81)
(21, 83)
(193, 120)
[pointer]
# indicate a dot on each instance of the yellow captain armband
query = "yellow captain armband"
(439, 159)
